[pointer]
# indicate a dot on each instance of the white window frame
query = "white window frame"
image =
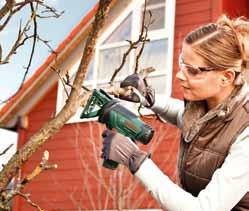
(136, 9)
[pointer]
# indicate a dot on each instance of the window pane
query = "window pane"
(155, 55)
(152, 2)
(109, 60)
(121, 33)
(89, 73)
(157, 18)
(158, 83)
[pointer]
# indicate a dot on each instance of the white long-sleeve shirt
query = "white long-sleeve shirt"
(227, 187)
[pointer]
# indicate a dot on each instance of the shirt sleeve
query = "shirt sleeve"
(170, 110)
(227, 187)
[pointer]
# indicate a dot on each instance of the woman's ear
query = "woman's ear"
(227, 77)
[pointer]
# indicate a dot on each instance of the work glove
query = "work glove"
(143, 93)
(122, 150)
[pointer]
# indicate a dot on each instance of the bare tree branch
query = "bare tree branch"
(6, 197)
(11, 8)
(41, 167)
(50, 10)
(61, 79)
(33, 17)
(6, 8)
(46, 42)
(143, 34)
(20, 42)
(27, 198)
(23, 37)
(134, 45)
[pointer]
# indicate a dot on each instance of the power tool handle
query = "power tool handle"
(110, 164)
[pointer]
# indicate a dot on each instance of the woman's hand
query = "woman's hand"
(142, 93)
(122, 150)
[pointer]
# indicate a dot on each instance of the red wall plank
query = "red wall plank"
(190, 14)
(240, 8)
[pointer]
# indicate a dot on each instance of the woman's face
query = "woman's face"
(199, 85)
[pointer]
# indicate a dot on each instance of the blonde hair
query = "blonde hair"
(224, 44)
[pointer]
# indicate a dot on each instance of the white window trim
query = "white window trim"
(153, 35)
(170, 10)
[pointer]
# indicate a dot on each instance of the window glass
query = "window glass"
(158, 83)
(89, 73)
(121, 33)
(152, 2)
(109, 60)
(157, 20)
(155, 55)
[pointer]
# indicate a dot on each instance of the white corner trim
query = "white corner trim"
(170, 9)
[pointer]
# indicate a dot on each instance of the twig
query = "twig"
(8, 10)
(41, 167)
(33, 17)
(11, 7)
(51, 10)
(19, 42)
(144, 33)
(46, 43)
(4, 152)
(61, 79)
(134, 45)
(146, 29)
(6, 197)
(27, 198)
(66, 81)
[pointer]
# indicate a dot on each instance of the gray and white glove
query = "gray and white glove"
(122, 150)
(145, 94)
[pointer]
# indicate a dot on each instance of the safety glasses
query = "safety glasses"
(193, 70)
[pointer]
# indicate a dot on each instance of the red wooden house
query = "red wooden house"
(80, 183)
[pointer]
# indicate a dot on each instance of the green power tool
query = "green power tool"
(116, 116)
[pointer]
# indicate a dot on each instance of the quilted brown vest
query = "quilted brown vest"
(206, 142)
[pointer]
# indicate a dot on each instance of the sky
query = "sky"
(54, 30)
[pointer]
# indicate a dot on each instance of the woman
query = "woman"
(213, 162)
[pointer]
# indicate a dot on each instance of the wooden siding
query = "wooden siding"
(240, 8)
(80, 183)
(190, 14)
